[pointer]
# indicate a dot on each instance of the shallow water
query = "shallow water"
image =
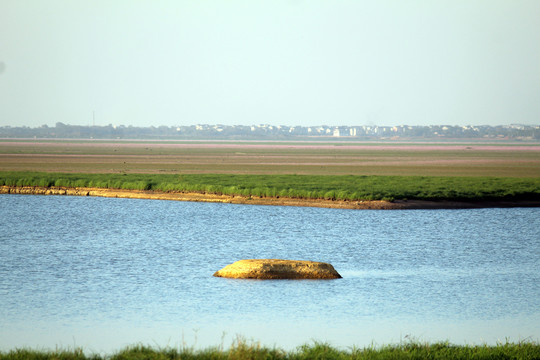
(105, 273)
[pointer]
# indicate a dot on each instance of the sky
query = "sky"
(279, 62)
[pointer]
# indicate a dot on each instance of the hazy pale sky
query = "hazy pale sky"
(281, 62)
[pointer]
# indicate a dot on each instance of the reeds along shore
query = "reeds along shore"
(245, 350)
(309, 187)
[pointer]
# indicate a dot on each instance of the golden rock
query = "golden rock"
(270, 269)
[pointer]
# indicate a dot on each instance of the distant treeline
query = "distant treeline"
(257, 132)
(329, 187)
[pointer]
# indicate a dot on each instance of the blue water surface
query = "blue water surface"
(105, 273)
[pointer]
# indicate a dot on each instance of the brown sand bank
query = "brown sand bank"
(202, 197)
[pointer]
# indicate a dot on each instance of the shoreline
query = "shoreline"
(273, 201)
(241, 348)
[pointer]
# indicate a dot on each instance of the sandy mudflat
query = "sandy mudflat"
(278, 145)
(201, 197)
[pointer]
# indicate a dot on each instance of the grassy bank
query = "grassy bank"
(242, 350)
(339, 187)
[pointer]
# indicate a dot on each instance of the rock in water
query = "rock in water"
(278, 269)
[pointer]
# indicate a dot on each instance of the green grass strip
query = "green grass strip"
(244, 350)
(339, 187)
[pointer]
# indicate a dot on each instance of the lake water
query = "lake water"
(106, 273)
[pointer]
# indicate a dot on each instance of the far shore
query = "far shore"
(276, 201)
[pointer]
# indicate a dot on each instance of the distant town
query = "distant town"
(515, 132)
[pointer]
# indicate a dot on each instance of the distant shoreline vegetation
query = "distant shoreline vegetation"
(246, 350)
(517, 132)
(326, 187)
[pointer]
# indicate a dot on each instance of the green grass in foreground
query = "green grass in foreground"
(338, 187)
(243, 350)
